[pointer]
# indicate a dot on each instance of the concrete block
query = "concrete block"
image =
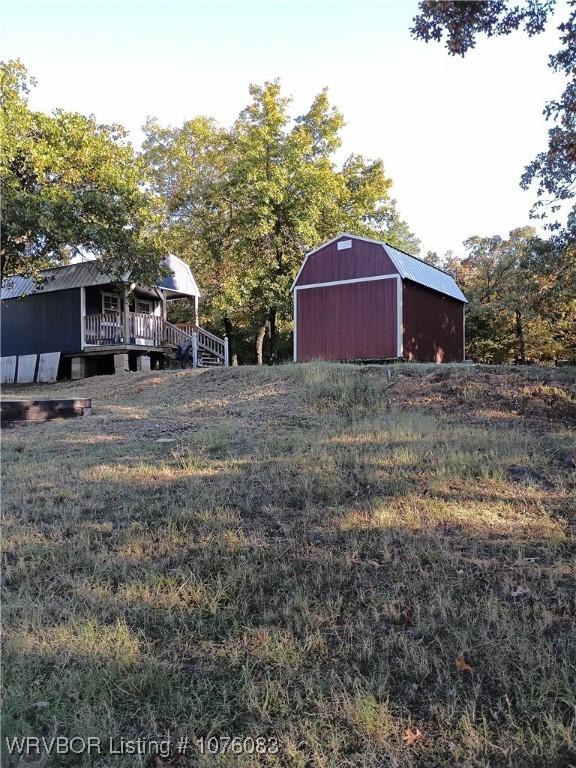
(78, 368)
(143, 363)
(121, 362)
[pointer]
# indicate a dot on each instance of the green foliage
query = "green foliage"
(463, 21)
(69, 186)
(521, 292)
(555, 169)
(244, 204)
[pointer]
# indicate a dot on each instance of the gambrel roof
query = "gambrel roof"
(408, 267)
(411, 268)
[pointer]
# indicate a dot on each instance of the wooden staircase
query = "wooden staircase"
(208, 350)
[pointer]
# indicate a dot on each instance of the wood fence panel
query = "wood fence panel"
(8, 369)
(26, 368)
(48, 367)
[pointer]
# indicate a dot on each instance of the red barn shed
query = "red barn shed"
(361, 299)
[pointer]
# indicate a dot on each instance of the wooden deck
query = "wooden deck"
(115, 333)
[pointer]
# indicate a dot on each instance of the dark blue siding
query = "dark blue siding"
(48, 322)
(94, 299)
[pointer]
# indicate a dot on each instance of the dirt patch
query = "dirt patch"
(485, 396)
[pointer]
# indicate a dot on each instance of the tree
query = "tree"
(69, 186)
(271, 188)
(189, 168)
(554, 170)
(522, 303)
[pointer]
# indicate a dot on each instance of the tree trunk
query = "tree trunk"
(260, 344)
(520, 337)
(272, 336)
(231, 342)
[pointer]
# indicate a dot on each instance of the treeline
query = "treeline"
(522, 294)
(242, 205)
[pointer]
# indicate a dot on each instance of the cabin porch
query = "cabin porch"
(142, 336)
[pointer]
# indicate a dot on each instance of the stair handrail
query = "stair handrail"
(201, 339)
(210, 335)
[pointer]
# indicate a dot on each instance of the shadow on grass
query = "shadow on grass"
(333, 585)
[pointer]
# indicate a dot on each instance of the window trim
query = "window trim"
(148, 302)
(116, 298)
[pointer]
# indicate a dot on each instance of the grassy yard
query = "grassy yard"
(374, 566)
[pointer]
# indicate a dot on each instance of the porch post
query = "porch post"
(196, 310)
(126, 319)
(226, 353)
(195, 350)
(82, 317)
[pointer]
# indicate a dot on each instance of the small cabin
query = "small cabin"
(361, 299)
(78, 311)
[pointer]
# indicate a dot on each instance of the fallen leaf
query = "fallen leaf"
(520, 592)
(412, 736)
(463, 665)
(407, 615)
(73, 695)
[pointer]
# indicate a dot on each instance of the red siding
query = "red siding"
(361, 260)
(355, 321)
(433, 325)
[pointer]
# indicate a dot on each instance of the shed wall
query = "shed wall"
(363, 259)
(48, 322)
(433, 328)
(354, 321)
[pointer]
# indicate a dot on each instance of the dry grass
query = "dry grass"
(341, 557)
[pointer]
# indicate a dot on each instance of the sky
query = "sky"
(454, 134)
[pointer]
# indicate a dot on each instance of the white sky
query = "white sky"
(454, 134)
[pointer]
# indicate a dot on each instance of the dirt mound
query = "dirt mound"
(485, 395)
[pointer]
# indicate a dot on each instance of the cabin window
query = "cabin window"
(144, 306)
(110, 302)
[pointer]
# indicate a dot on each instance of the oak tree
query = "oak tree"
(69, 186)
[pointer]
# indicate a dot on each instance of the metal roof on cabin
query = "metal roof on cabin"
(411, 268)
(88, 273)
(57, 279)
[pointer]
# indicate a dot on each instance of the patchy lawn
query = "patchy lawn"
(373, 566)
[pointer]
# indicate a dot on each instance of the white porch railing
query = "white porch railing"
(107, 328)
(153, 331)
(146, 329)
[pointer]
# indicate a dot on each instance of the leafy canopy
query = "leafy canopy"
(69, 186)
(554, 170)
(522, 299)
(245, 203)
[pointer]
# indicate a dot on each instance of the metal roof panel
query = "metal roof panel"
(411, 268)
(89, 273)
